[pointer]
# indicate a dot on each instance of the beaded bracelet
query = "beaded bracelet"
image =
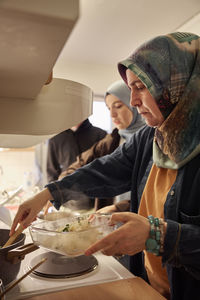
(154, 244)
(161, 222)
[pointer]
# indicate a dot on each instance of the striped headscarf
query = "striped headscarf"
(169, 66)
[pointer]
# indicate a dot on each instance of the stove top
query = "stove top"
(107, 269)
(60, 266)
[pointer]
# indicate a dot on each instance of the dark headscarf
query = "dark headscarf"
(169, 66)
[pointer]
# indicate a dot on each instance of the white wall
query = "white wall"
(14, 164)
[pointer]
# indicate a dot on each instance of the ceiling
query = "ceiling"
(109, 30)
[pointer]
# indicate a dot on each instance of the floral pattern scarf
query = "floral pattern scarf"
(169, 66)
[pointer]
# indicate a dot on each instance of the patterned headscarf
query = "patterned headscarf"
(169, 66)
(120, 90)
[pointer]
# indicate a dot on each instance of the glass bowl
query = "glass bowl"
(80, 232)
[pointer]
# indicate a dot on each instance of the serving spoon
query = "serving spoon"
(14, 236)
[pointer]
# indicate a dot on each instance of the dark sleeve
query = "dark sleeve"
(104, 177)
(182, 239)
(182, 247)
(53, 166)
(100, 133)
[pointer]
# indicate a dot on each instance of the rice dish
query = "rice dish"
(70, 239)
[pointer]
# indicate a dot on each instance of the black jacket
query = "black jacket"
(67, 145)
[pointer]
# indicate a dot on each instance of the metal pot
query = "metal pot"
(11, 256)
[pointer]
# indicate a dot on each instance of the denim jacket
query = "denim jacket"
(127, 168)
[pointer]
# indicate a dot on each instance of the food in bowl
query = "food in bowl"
(79, 224)
(71, 236)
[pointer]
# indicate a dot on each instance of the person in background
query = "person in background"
(64, 147)
(164, 225)
(126, 121)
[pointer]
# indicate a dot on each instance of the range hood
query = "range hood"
(32, 35)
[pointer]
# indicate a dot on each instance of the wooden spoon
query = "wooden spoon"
(14, 236)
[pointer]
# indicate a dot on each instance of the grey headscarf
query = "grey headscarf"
(120, 90)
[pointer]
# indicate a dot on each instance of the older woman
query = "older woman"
(164, 78)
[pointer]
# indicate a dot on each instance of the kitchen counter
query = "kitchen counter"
(129, 289)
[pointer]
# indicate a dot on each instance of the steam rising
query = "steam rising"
(78, 201)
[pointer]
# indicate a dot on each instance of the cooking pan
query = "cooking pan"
(11, 256)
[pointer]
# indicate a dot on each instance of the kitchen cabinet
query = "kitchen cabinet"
(32, 36)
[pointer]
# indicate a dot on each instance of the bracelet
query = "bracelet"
(161, 222)
(155, 243)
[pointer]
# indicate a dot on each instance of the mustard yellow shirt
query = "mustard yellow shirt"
(158, 184)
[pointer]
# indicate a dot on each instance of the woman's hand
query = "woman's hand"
(128, 239)
(28, 210)
(107, 209)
